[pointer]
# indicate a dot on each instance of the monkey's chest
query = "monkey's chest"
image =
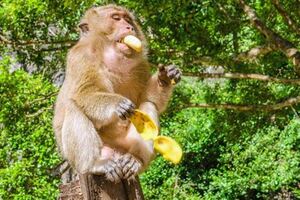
(130, 89)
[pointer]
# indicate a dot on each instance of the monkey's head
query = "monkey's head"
(111, 24)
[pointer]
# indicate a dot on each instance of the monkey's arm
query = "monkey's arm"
(98, 103)
(81, 145)
(154, 101)
(160, 87)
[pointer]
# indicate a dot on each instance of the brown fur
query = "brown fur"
(98, 78)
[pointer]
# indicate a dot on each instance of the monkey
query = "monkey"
(105, 81)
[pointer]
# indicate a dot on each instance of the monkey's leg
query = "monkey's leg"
(140, 152)
(81, 145)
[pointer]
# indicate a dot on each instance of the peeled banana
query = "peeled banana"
(166, 146)
(133, 42)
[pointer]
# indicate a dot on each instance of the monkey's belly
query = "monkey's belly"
(114, 135)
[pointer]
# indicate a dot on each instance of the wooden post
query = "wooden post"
(94, 187)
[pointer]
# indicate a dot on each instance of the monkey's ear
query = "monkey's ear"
(84, 27)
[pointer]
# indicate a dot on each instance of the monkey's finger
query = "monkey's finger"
(114, 168)
(129, 173)
(109, 176)
(126, 113)
(172, 72)
(119, 172)
(133, 170)
(161, 68)
(111, 173)
(116, 177)
(130, 105)
(177, 77)
(128, 166)
(121, 115)
(125, 159)
(127, 108)
(171, 67)
(128, 102)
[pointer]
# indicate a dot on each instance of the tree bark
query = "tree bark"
(95, 187)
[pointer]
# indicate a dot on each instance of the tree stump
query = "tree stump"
(94, 187)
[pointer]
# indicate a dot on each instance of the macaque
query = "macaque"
(105, 81)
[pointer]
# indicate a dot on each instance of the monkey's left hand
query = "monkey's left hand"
(168, 75)
(130, 165)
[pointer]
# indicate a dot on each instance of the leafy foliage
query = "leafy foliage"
(27, 148)
(229, 153)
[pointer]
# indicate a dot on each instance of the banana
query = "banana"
(166, 146)
(133, 42)
(144, 125)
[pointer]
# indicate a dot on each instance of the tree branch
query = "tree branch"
(37, 113)
(41, 99)
(206, 61)
(278, 106)
(290, 22)
(253, 53)
(259, 77)
(284, 45)
(4, 40)
(249, 55)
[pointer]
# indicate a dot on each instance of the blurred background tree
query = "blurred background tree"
(235, 113)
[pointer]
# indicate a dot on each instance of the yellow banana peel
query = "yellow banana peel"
(144, 125)
(166, 146)
(133, 42)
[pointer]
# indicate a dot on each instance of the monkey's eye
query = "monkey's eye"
(127, 19)
(116, 17)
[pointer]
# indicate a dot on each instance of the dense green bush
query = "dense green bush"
(27, 148)
(228, 155)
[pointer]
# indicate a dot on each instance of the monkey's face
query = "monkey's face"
(121, 26)
(112, 24)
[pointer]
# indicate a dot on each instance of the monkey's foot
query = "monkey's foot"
(130, 166)
(111, 170)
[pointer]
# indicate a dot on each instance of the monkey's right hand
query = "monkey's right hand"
(125, 109)
(111, 170)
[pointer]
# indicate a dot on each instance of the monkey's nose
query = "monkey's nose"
(130, 28)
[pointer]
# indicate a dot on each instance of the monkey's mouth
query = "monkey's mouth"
(123, 47)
